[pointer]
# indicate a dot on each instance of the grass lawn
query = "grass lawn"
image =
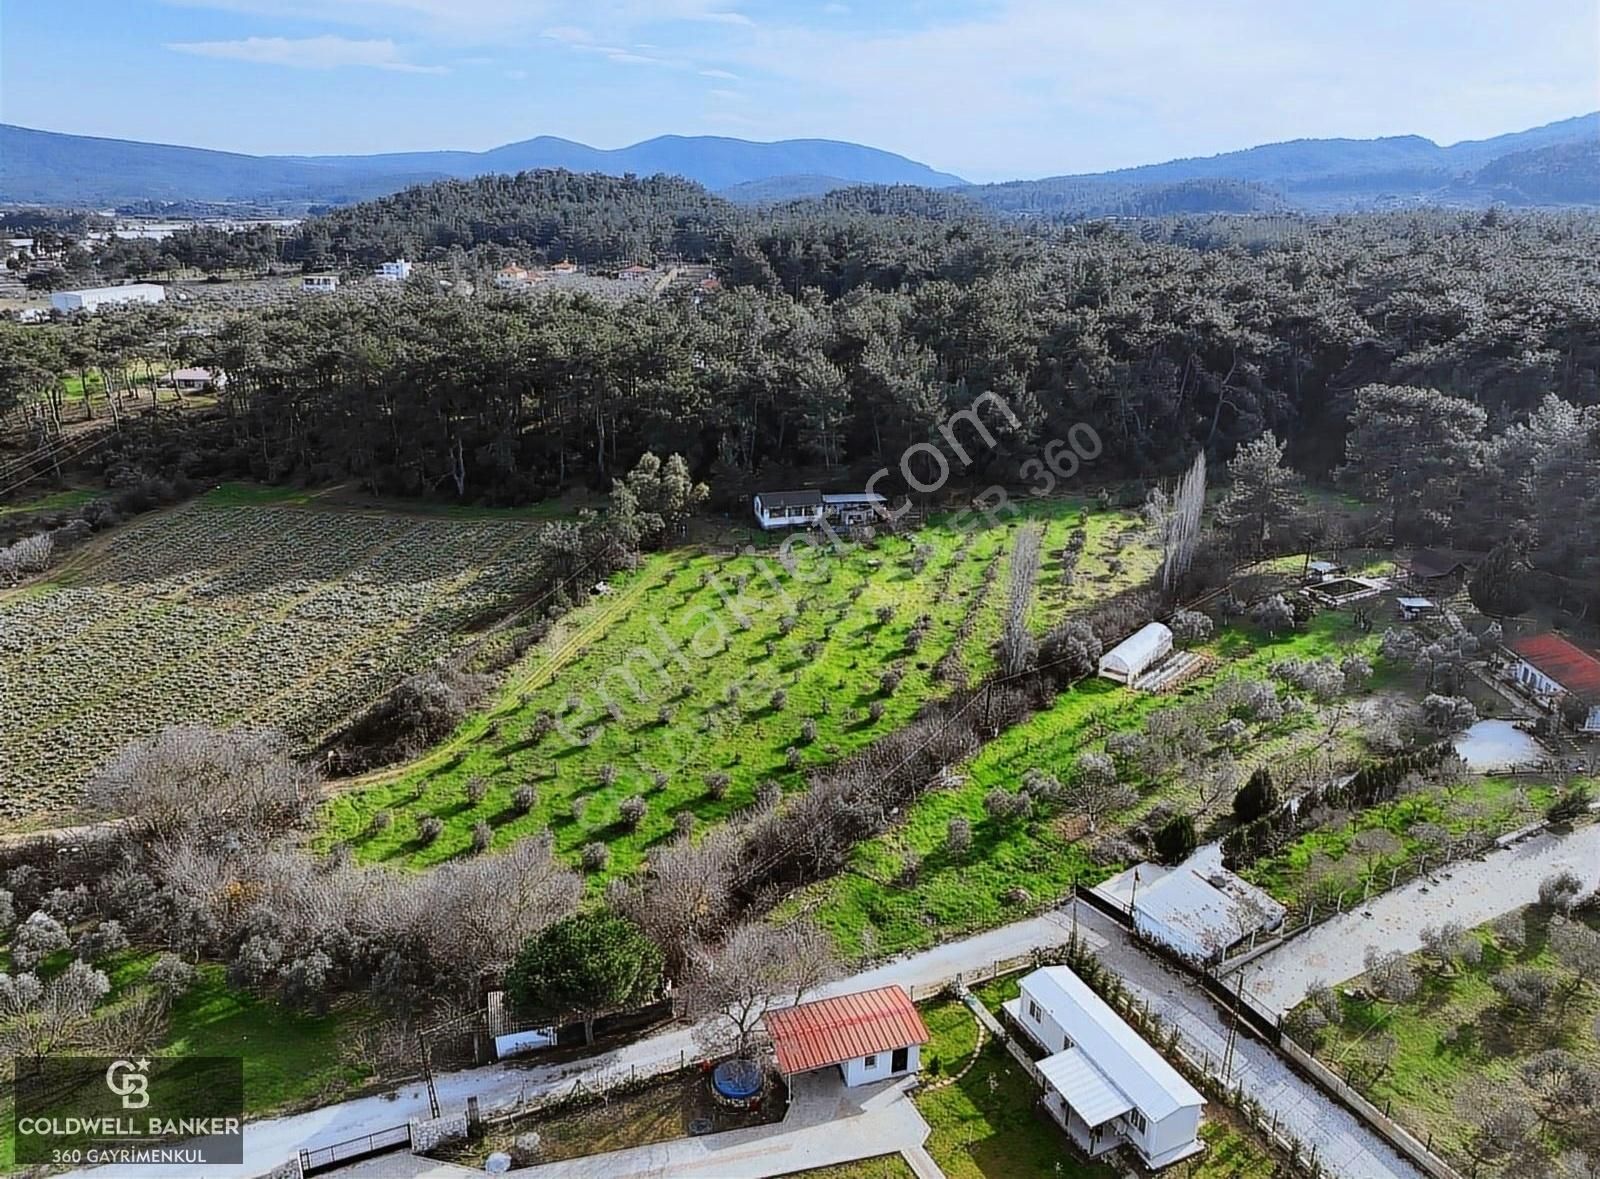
(1341, 854)
(677, 672)
(877, 908)
(885, 1166)
(986, 1126)
(1456, 1030)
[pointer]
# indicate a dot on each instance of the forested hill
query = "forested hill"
(532, 216)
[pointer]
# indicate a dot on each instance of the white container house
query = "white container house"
(1136, 654)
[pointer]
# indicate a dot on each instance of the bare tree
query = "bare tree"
(1017, 646)
(1181, 534)
(1390, 974)
(684, 897)
(241, 785)
(759, 967)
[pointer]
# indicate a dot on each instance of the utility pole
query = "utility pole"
(1233, 1028)
(427, 1073)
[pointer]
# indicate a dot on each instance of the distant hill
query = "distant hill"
(46, 167)
(1322, 174)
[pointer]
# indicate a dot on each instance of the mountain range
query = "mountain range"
(1555, 164)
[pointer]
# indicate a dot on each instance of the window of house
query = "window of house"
(869, 1061)
(1033, 1011)
(1136, 1120)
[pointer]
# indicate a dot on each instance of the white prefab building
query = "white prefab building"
(1103, 1084)
(1137, 653)
(319, 283)
(393, 271)
(867, 1035)
(803, 509)
(96, 297)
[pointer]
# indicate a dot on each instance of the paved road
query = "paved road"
(269, 1143)
(1344, 1144)
(1471, 892)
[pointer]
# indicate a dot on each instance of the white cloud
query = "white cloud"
(308, 53)
(725, 75)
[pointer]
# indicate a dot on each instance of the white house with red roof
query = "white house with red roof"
(868, 1035)
(1553, 669)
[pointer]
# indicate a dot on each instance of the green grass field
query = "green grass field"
(56, 501)
(873, 909)
(692, 650)
(1455, 1031)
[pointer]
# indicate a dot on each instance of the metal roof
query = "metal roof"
(1086, 1089)
(1118, 1052)
(845, 1027)
(1576, 670)
(790, 499)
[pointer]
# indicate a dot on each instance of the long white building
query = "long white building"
(1102, 1082)
(93, 298)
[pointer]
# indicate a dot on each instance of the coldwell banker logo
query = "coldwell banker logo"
(93, 1111)
(127, 1079)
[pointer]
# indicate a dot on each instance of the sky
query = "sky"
(988, 89)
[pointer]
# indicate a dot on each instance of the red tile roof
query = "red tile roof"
(1569, 665)
(832, 1031)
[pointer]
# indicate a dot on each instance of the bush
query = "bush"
(170, 975)
(683, 824)
(633, 810)
(524, 799)
(429, 828)
(1573, 803)
(875, 711)
(595, 857)
(779, 699)
(890, 680)
(380, 822)
(958, 836)
(482, 836)
(477, 788)
(608, 775)
(717, 784)
(808, 730)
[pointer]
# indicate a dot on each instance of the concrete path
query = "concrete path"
(1469, 891)
(827, 1124)
(269, 1142)
(1343, 1144)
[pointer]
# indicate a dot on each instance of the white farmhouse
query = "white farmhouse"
(868, 1035)
(320, 284)
(790, 509)
(93, 298)
(397, 271)
(1554, 669)
(1136, 654)
(1102, 1082)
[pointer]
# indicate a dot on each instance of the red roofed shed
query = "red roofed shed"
(870, 1035)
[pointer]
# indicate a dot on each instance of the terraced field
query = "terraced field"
(234, 613)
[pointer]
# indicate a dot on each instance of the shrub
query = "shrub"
(875, 711)
(633, 810)
(1561, 890)
(170, 975)
(1190, 626)
(659, 779)
(608, 775)
(1573, 803)
(1176, 840)
(476, 789)
(885, 615)
(779, 699)
(791, 757)
(717, 784)
(595, 857)
(958, 836)
(380, 822)
(482, 836)
(808, 730)
(524, 799)
(890, 680)
(1256, 797)
(429, 828)
(683, 824)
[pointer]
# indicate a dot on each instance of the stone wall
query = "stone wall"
(427, 1133)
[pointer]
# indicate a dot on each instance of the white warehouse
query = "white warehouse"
(94, 298)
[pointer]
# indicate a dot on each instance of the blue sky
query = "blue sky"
(990, 89)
